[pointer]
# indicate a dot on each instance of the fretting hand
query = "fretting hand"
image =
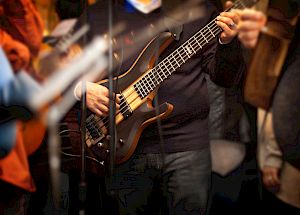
(228, 21)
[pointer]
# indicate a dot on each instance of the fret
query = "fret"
(154, 77)
(170, 64)
(198, 43)
(142, 88)
(162, 71)
(163, 62)
(150, 78)
(139, 89)
(211, 31)
(203, 36)
(175, 59)
(186, 51)
(180, 56)
(147, 84)
(157, 73)
(191, 46)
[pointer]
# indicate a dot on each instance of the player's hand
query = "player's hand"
(228, 21)
(249, 27)
(97, 98)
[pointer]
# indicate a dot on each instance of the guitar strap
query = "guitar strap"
(175, 26)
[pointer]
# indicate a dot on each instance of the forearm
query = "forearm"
(228, 65)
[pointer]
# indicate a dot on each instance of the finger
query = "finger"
(232, 15)
(96, 111)
(118, 99)
(225, 27)
(103, 100)
(226, 20)
(249, 14)
(249, 26)
(228, 4)
(103, 108)
(117, 106)
(248, 36)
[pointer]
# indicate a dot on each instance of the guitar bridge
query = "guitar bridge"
(95, 130)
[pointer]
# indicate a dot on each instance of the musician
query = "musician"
(182, 173)
(279, 150)
(20, 38)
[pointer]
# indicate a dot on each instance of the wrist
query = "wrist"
(224, 42)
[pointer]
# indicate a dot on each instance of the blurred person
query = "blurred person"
(279, 127)
(20, 38)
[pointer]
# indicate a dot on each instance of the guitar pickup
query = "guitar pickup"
(125, 109)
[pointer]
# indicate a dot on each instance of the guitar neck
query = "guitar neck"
(183, 53)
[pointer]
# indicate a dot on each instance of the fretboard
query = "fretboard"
(183, 53)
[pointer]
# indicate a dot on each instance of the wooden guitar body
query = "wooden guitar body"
(129, 131)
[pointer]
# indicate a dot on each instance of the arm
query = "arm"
(97, 96)
(224, 61)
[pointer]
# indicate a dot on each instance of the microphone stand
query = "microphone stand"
(82, 184)
(112, 104)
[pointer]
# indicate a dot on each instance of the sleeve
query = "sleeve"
(23, 23)
(17, 53)
(224, 63)
(269, 153)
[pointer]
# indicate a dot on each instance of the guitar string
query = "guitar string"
(215, 30)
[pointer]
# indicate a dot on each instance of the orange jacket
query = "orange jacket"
(14, 168)
(20, 36)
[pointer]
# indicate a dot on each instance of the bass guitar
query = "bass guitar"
(138, 87)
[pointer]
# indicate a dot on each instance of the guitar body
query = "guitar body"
(130, 128)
